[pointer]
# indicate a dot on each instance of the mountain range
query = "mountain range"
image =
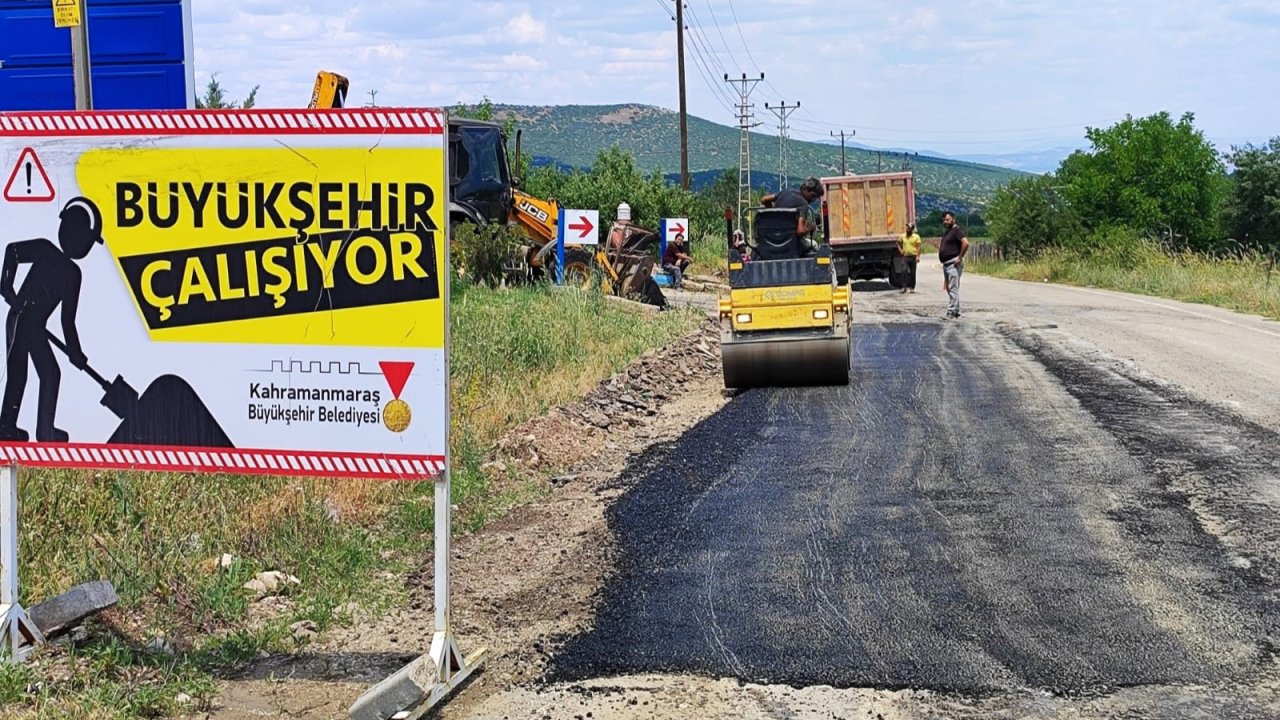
(572, 135)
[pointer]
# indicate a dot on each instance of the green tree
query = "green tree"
(215, 98)
(1253, 208)
(1152, 175)
(1028, 215)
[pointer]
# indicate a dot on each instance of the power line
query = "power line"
(718, 91)
(716, 20)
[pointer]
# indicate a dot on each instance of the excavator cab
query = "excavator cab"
(786, 321)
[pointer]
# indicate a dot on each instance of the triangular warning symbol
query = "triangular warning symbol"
(28, 182)
(397, 374)
(64, 3)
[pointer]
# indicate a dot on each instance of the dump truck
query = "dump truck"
(863, 216)
(786, 320)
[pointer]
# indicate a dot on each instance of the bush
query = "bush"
(481, 253)
(1119, 246)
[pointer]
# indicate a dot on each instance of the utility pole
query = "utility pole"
(844, 169)
(373, 98)
(879, 161)
(783, 112)
(82, 76)
(684, 109)
(745, 86)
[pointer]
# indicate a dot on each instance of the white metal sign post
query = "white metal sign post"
(20, 635)
(575, 227)
(239, 291)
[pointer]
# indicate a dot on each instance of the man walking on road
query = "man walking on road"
(951, 252)
(909, 252)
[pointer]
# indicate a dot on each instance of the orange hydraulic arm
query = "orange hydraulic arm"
(538, 217)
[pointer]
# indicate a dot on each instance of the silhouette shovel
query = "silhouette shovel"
(119, 396)
(168, 413)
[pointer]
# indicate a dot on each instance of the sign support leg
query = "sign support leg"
(452, 667)
(18, 635)
(560, 248)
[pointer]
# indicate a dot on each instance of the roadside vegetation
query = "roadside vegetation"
(179, 549)
(1152, 207)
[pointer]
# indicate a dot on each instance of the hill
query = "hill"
(573, 134)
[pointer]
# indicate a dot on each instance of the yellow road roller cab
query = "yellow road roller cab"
(786, 321)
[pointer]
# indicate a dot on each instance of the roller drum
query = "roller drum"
(786, 363)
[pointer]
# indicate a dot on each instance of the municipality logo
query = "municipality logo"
(396, 414)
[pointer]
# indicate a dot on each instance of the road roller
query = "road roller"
(786, 320)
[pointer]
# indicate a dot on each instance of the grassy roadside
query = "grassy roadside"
(1243, 283)
(516, 354)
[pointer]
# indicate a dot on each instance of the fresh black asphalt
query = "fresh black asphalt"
(960, 518)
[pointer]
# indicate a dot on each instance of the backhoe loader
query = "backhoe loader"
(483, 191)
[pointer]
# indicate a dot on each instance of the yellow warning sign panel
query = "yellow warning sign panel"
(236, 245)
(66, 13)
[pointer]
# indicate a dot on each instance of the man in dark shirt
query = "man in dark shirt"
(951, 252)
(801, 199)
(52, 280)
(676, 260)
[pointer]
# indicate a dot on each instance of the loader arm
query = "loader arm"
(537, 217)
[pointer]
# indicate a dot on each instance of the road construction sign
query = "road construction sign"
(28, 182)
(227, 291)
(66, 13)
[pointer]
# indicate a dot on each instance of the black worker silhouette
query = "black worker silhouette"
(169, 413)
(52, 280)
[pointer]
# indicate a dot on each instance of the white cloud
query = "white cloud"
(933, 74)
(524, 29)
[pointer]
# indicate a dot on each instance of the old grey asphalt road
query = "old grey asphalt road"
(1063, 504)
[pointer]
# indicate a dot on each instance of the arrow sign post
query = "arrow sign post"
(671, 228)
(576, 227)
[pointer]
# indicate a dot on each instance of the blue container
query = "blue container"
(137, 51)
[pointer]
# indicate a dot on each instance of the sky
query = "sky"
(960, 77)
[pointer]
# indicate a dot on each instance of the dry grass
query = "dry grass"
(1247, 282)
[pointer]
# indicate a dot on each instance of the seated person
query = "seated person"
(676, 260)
(739, 243)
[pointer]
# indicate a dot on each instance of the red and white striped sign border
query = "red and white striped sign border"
(367, 121)
(373, 466)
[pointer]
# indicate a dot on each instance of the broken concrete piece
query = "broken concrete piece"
(405, 689)
(270, 582)
(57, 615)
(303, 630)
(160, 645)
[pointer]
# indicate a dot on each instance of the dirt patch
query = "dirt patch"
(623, 116)
(525, 580)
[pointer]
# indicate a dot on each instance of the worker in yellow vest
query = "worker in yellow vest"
(909, 251)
